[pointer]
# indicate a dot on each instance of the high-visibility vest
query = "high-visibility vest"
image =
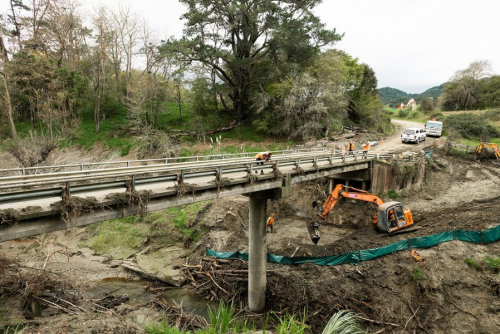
(350, 147)
(260, 156)
(270, 221)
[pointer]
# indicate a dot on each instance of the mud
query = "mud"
(441, 294)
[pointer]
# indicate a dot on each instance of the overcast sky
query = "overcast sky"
(411, 44)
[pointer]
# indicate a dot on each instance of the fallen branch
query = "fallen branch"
(151, 276)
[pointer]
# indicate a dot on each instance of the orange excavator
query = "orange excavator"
(388, 217)
(482, 146)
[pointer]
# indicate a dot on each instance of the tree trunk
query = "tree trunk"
(10, 115)
(97, 107)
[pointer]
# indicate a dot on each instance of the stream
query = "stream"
(138, 295)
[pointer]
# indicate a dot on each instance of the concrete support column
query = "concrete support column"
(330, 185)
(257, 257)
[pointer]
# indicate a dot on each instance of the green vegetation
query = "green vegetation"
(223, 319)
(290, 324)
(392, 194)
(343, 322)
(417, 274)
(473, 264)
(124, 236)
(493, 263)
(394, 97)
(471, 126)
(472, 88)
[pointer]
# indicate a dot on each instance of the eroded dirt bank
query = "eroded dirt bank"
(442, 294)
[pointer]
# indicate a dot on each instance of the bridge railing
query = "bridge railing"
(130, 163)
(72, 183)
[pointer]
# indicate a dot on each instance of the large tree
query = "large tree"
(463, 92)
(247, 42)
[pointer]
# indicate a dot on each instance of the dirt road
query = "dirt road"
(393, 143)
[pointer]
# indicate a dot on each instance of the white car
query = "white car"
(413, 135)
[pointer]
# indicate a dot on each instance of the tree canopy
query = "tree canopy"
(250, 43)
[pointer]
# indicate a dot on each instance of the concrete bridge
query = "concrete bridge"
(39, 201)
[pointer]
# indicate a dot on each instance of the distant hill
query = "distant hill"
(393, 96)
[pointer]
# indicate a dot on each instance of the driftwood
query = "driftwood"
(344, 136)
(181, 133)
(151, 276)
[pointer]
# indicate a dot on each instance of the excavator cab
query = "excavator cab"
(392, 216)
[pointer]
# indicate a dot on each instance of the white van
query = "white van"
(413, 135)
(434, 128)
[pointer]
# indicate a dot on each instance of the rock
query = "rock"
(429, 198)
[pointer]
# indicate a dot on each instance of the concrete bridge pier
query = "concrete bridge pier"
(257, 254)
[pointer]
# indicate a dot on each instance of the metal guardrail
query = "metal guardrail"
(132, 179)
(129, 163)
(121, 171)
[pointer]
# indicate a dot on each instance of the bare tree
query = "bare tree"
(103, 39)
(127, 29)
(8, 103)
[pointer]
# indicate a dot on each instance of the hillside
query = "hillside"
(394, 96)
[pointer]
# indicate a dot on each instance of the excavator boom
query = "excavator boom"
(388, 217)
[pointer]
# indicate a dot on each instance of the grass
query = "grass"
(289, 324)
(118, 237)
(124, 236)
(343, 322)
(472, 264)
(417, 273)
(493, 263)
(87, 137)
(475, 142)
(223, 319)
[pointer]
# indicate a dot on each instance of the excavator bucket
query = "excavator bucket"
(313, 228)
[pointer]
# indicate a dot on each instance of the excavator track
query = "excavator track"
(392, 234)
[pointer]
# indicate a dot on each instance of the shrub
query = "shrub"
(392, 194)
(493, 115)
(403, 113)
(471, 126)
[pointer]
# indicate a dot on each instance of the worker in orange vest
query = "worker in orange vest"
(350, 147)
(270, 222)
(263, 156)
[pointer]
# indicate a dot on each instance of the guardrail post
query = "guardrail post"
(356, 156)
(182, 177)
(330, 160)
(133, 182)
(23, 171)
(81, 166)
(166, 161)
(219, 173)
(68, 188)
(315, 163)
(128, 163)
(343, 157)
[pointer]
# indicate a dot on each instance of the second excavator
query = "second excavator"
(388, 217)
(482, 146)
